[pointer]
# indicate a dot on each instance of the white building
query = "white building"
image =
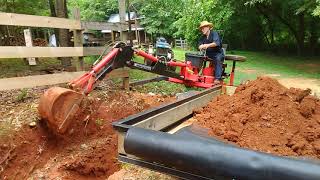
(138, 34)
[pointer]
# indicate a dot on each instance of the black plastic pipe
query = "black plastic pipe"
(214, 159)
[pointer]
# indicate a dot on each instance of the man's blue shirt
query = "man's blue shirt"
(212, 52)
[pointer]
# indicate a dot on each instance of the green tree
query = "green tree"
(35, 7)
(292, 22)
(95, 10)
(244, 29)
(13, 35)
(159, 15)
(215, 11)
(316, 12)
(61, 11)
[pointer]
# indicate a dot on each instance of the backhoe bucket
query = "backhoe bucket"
(58, 106)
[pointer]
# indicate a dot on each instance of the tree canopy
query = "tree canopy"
(289, 26)
(284, 26)
(95, 10)
(159, 15)
(316, 12)
(216, 11)
(37, 7)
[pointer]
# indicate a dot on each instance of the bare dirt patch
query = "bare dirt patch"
(265, 116)
(302, 83)
(309, 67)
(248, 71)
(88, 151)
(138, 173)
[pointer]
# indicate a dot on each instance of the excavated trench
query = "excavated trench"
(262, 115)
(88, 150)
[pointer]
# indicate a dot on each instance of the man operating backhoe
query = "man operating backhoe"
(211, 43)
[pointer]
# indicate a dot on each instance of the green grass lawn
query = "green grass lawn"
(19, 67)
(16, 67)
(258, 63)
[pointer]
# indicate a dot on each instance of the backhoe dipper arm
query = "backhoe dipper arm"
(86, 82)
(59, 106)
(160, 67)
(120, 56)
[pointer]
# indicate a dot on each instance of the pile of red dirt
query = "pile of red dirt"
(265, 116)
(87, 151)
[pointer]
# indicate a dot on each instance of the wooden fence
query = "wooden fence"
(181, 43)
(75, 24)
(53, 22)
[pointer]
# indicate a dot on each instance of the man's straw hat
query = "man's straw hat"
(205, 23)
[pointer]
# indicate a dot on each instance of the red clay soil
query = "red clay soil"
(87, 151)
(265, 116)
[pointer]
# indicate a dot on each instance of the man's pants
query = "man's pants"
(218, 61)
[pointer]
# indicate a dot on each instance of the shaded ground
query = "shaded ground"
(88, 152)
(265, 116)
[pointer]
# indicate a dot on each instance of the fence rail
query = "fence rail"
(76, 25)
(103, 26)
(181, 43)
(12, 19)
(25, 52)
(38, 21)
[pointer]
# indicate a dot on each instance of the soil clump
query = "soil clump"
(265, 116)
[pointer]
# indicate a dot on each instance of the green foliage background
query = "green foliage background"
(95, 10)
(286, 26)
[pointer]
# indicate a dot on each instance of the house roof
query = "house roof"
(115, 18)
(106, 31)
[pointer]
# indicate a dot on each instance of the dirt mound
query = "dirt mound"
(88, 151)
(265, 116)
(97, 160)
(25, 151)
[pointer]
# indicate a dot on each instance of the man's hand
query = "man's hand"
(206, 46)
(203, 46)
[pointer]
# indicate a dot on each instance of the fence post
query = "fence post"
(29, 43)
(77, 40)
(125, 83)
(113, 38)
(122, 14)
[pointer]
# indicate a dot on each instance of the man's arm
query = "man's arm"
(206, 46)
(215, 41)
(210, 45)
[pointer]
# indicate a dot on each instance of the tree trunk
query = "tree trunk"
(54, 14)
(313, 36)
(270, 26)
(64, 37)
(301, 34)
(298, 32)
